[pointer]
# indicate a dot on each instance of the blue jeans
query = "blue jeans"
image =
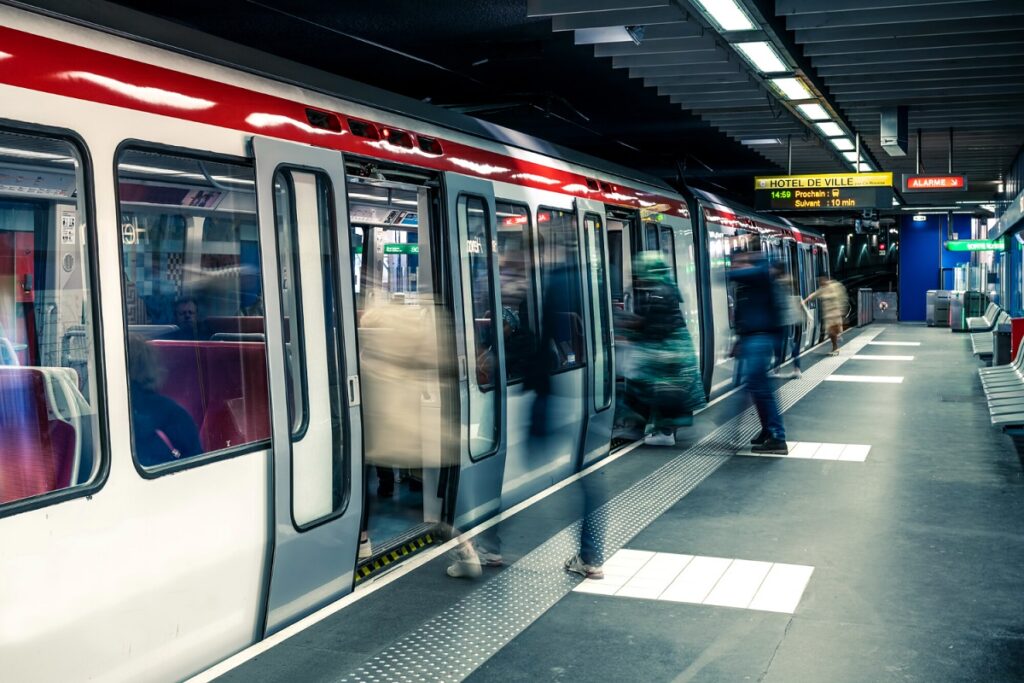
(755, 353)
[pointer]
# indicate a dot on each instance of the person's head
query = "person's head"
(651, 268)
(186, 312)
(823, 280)
(143, 368)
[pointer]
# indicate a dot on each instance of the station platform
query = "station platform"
(886, 547)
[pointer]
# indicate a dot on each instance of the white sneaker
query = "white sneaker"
(796, 374)
(466, 565)
(489, 559)
(660, 439)
(576, 565)
(365, 549)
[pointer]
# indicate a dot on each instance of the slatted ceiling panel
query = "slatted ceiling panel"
(954, 63)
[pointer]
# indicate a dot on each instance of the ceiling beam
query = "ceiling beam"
(643, 17)
(950, 86)
(974, 52)
(713, 56)
(865, 68)
(932, 28)
(787, 7)
(737, 78)
(905, 15)
(981, 73)
(656, 47)
(895, 98)
(845, 47)
(549, 8)
(729, 67)
(617, 34)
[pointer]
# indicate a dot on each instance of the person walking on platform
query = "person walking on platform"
(794, 314)
(834, 304)
(757, 320)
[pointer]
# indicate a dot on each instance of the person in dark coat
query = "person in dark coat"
(758, 319)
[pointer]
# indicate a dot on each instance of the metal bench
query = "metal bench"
(983, 343)
(1004, 392)
(985, 323)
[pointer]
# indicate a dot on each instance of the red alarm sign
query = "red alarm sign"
(925, 183)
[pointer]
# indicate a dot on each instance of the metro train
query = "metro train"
(191, 370)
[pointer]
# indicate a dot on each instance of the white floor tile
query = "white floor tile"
(829, 451)
(738, 584)
(855, 453)
(655, 576)
(878, 379)
(894, 343)
(782, 588)
(596, 587)
(864, 356)
(803, 449)
(698, 578)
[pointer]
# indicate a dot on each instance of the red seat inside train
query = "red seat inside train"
(36, 453)
(233, 324)
(222, 385)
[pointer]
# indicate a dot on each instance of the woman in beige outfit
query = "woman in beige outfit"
(833, 305)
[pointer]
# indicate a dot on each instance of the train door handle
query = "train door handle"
(354, 396)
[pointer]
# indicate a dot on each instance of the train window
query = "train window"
(560, 287)
(600, 314)
(515, 268)
(48, 348)
(193, 305)
(668, 249)
(483, 405)
(615, 263)
(302, 202)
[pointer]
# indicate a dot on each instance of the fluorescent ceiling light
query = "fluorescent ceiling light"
(761, 141)
(831, 129)
(842, 144)
(763, 56)
(793, 89)
(850, 156)
(815, 112)
(727, 15)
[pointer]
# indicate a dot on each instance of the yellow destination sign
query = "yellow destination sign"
(823, 181)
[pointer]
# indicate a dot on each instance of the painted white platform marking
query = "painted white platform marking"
(865, 356)
(808, 450)
(878, 379)
(894, 343)
(701, 580)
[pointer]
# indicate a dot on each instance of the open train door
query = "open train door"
(600, 385)
(316, 479)
(479, 345)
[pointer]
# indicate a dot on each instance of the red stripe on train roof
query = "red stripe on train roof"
(44, 64)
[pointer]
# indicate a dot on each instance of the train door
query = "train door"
(591, 219)
(314, 385)
(479, 346)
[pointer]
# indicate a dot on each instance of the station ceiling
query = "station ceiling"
(671, 95)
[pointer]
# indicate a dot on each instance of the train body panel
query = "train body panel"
(129, 570)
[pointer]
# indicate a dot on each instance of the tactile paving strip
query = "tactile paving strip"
(451, 645)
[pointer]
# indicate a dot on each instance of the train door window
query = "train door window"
(615, 266)
(515, 268)
(49, 387)
(650, 237)
(192, 279)
(560, 287)
(309, 300)
(483, 404)
(600, 313)
(668, 249)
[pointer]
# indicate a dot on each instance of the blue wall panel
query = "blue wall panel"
(921, 253)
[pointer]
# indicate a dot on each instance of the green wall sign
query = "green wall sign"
(402, 248)
(974, 245)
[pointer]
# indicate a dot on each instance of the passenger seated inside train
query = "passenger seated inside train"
(186, 317)
(519, 349)
(162, 431)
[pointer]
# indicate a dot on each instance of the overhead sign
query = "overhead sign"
(831, 199)
(823, 181)
(934, 183)
(402, 248)
(974, 245)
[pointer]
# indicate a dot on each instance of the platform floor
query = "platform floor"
(909, 553)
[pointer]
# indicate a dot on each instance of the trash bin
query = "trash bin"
(1001, 347)
(865, 307)
(937, 311)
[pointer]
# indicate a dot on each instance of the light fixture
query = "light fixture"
(830, 129)
(842, 144)
(636, 34)
(919, 218)
(763, 56)
(850, 156)
(761, 141)
(815, 112)
(792, 88)
(727, 15)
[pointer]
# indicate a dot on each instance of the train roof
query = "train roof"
(133, 25)
(755, 219)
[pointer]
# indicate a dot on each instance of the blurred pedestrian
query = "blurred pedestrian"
(834, 304)
(664, 386)
(758, 320)
(794, 316)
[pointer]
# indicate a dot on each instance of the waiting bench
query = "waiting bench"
(984, 323)
(983, 343)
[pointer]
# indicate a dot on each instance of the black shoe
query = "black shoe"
(771, 446)
(760, 438)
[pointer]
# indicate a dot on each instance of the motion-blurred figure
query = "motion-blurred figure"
(664, 385)
(794, 314)
(834, 304)
(758, 320)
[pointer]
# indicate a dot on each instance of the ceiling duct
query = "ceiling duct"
(895, 131)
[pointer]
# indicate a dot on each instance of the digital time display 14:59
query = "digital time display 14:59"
(827, 199)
